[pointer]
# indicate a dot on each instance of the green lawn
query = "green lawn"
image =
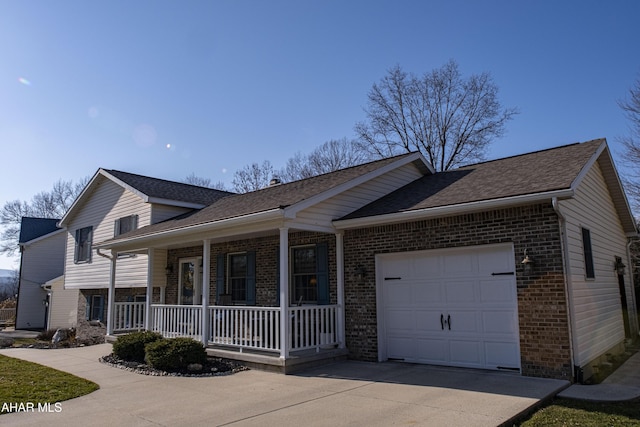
(29, 383)
(566, 412)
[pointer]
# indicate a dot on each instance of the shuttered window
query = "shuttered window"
(588, 254)
(84, 237)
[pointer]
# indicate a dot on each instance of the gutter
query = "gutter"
(567, 281)
(448, 210)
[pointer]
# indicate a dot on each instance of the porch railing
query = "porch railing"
(313, 327)
(245, 327)
(256, 328)
(7, 315)
(177, 320)
(128, 316)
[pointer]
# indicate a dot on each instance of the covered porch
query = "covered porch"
(285, 326)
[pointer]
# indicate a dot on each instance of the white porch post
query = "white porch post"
(284, 293)
(111, 297)
(147, 306)
(206, 284)
(340, 290)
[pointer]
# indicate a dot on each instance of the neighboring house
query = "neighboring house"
(42, 259)
(111, 204)
(515, 264)
(63, 304)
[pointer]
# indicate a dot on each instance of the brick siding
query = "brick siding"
(542, 309)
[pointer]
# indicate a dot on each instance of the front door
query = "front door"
(190, 286)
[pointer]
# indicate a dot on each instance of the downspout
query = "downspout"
(567, 287)
(632, 283)
(111, 292)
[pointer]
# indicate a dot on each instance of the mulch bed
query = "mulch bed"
(213, 367)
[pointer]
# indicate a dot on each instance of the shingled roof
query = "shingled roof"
(32, 228)
(533, 173)
(270, 198)
(169, 190)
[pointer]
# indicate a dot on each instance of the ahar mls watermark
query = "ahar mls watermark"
(31, 407)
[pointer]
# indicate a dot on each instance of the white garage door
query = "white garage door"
(455, 307)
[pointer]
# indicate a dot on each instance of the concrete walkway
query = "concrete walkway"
(345, 393)
(622, 385)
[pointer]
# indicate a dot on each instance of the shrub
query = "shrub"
(175, 354)
(131, 346)
(46, 335)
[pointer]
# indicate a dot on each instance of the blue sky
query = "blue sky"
(170, 88)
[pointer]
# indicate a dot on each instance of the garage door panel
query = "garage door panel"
(428, 321)
(497, 290)
(427, 267)
(499, 322)
(429, 292)
(501, 354)
(432, 351)
(396, 267)
(465, 353)
(463, 322)
(459, 264)
(400, 321)
(460, 292)
(398, 293)
(494, 261)
(402, 348)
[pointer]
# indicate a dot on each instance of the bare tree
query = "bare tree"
(193, 179)
(253, 177)
(448, 118)
(631, 142)
(331, 156)
(46, 204)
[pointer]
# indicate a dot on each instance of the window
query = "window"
(95, 307)
(237, 280)
(125, 225)
(84, 237)
(303, 275)
(309, 275)
(588, 254)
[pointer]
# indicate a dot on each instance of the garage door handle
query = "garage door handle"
(442, 321)
(506, 273)
(393, 278)
(449, 321)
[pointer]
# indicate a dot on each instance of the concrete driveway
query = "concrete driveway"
(345, 393)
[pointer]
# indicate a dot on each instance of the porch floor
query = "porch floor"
(270, 361)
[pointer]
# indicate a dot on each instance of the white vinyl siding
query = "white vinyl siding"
(348, 201)
(107, 203)
(42, 260)
(163, 212)
(63, 305)
(596, 308)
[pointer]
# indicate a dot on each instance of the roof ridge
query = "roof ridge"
(385, 159)
(531, 153)
(166, 180)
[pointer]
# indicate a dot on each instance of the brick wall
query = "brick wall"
(542, 310)
(92, 332)
(266, 249)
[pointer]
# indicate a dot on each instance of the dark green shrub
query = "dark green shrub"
(131, 346)
(175, 354)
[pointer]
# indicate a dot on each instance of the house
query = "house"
(62, 311)
(41, 244)
(515, 264)
(113, 203)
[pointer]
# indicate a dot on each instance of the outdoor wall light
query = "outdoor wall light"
(527, 263)
(360, 273)
(168, 269)
(619, 267)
